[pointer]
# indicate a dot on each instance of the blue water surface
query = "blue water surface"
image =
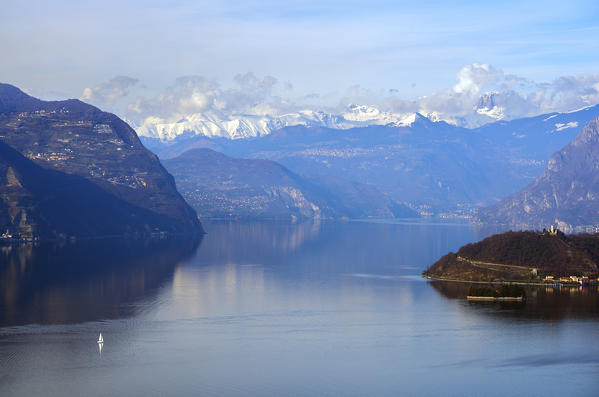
(282, 309)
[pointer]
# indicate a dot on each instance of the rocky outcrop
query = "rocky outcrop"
(566, 194)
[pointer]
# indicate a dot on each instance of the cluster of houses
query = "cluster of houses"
(53, 156)
(582, 280)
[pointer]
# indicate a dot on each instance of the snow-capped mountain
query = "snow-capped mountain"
(434, 166)
(257, 122)
(487, 106)
(361, 115)
(216, 124)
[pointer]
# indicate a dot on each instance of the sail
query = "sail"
(100, 339)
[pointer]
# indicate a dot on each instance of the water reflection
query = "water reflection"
(84, 281)
(332, 247)
(543, 303)
(330, 308)
(257, 267)
(257, 240)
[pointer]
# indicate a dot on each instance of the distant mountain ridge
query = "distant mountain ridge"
(215, 124)
(566, 193)
(436, 167)
(69, 169)
(218, 186)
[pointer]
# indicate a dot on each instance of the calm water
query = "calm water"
(281, 309)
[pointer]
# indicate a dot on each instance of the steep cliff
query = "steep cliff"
(566, 194)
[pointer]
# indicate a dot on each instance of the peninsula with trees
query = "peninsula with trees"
(547, 256)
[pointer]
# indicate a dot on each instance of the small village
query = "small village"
(570, 280)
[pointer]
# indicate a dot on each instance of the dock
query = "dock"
(496, 298)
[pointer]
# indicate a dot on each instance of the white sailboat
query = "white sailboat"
(100, 339)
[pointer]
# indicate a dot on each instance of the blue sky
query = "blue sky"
(61, 47)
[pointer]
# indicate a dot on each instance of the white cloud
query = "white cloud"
(481, 93)
(197, 94)
(569, 92)
(105, 95)
(472, 78)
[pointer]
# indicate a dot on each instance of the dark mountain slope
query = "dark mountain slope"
(97, 156)
(40, 202)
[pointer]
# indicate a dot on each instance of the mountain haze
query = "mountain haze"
(219, 186)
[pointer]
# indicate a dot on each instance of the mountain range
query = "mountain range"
(263, 120)
(68, 169)
(435, 167)
(217, 124)
(219, 186)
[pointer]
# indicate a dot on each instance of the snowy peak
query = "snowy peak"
(371, 115)
(240, 126)
(486, 101)
(487, 106)
(412, 119)
(215, 124)
(363, 113)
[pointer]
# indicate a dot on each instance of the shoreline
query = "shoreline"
(491, 282)
(74, 238)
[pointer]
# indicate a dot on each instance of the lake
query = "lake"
(276, 309)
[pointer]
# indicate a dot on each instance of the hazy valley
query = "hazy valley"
(218, 186)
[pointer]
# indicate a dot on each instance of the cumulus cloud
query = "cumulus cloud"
(105, 95)
(196, 94)
(472, 78)
(480, 94)
(483, 93)
(482, 88)
(569, 92)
